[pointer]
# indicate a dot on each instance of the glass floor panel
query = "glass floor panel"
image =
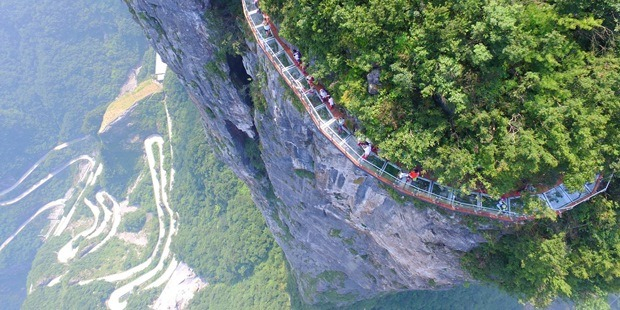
(371, 163)
(257, 19)
(304, 83)
(394, 180)
(376, 161)
(392, 170)
(441, 190)
(421, 184)
(331, 135)
(284, 60)
(296, 74)
(324, 114)
(573, 196)
(489, 202)
(274, 46)
(250, 5)
(516, 204)
(351, 145)
(557, 198)
(292, 81)
(590, 186)
(314, 99)
(471, 199)
(342, 133)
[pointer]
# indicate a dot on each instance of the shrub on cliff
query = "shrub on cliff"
(575, 257)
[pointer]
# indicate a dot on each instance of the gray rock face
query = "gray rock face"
(339, 228)
(373, 81)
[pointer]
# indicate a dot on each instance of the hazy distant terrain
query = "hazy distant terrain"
(61, 60)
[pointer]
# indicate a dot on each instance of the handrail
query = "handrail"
(449, 201)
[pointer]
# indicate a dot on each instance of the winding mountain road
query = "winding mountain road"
(50, 205)
(160, 190)
(107, 215)
(116, 218)
(38, 163)
(47, 178)
(64, 221)
(68, 252)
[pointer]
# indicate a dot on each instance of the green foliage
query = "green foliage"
(252, 152)
(265, 289)
(61, 60)
(573, 257)
(65, 296)
(492, 94)
(122, 147)
(133, 221)
(144, 299)
(260, 103)
(230, 41)
(335, 232)
(222, 235)
(148, 66)
(122, 155)
(16, 259)
(303, 173)
(593, 304)
(474, 297)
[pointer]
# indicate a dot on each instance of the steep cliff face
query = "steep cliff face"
(344, 235)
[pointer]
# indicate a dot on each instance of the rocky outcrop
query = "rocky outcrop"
(373, 81)
(343, 233)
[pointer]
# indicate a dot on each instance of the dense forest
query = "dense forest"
(57, 69)
(575, 257)
(484, 94)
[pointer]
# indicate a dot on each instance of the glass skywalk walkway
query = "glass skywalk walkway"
(557, 198)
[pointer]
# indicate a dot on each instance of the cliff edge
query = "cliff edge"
(344, 234)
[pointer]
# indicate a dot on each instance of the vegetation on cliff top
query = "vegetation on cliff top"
(491, 94)
(574, 257)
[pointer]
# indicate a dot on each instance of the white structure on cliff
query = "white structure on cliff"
(160, 68)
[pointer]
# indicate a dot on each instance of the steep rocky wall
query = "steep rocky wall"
(345, 237)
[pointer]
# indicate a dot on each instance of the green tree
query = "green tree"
(574, 257)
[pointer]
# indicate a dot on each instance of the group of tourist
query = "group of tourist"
(326, 98)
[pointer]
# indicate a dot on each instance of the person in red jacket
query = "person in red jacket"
(411, 176)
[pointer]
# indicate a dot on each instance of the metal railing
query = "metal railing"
(557, 198)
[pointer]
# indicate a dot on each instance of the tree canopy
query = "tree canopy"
(576, 257)
(488, 94)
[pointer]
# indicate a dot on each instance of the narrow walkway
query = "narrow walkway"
(508, 209)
